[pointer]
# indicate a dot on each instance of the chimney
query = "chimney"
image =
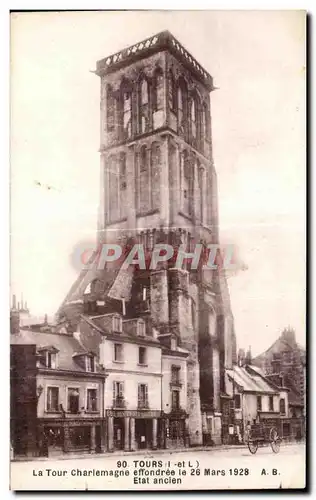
(45, 320)
(241, 357)
(18, 306)
(14, 321)
(14, 301)
(22, 301)
(248, 357)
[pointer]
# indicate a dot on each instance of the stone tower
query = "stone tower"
(158, 185)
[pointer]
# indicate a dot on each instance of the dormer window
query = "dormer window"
(90, 364)
(117, 324)
(51, 360)
(47, 356)
(141, 328)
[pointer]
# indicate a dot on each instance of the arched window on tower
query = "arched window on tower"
(110, 109)
(204, 127)
(193, 118)
(172, 94)
(158, 98)
(143, 125)
(155, 175)
(143, 181)
(127, 114)
(186, 183)
(126, 110)
(182, 107)
(158, 90)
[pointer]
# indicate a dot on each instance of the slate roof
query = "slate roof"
(66, 344)
(250, 379)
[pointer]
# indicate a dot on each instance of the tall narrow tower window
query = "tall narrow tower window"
(204, 126)
(122, 179)
(180, 106)
(155, 175)
(143, 106)
(172, 94)
(127, 114)
(193, 116)
(113, 190)
(110, 107)
(158, 90)
(143, 181)
(186, 183)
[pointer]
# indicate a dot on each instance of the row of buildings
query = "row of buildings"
(115, 385)
(144, 358)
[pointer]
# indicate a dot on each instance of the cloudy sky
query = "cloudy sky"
(257, 60)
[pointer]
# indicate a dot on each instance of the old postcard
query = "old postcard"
(157, 250)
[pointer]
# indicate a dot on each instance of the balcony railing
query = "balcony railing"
(119, 402)
(143, 404)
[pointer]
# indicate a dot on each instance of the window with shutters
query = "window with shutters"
(175, 400)
(237, 401)
(118, 395)
(90, 364)
(175, 375)
(143, 396)
(51, 359)
(142, 356)
(117, 324)
(52, 401)
(282, 406)
(271, 405)
(73, 400)
(118, 353)
(141, 328)
(259, 403)
(92, 400)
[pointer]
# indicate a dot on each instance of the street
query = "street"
(233, 468)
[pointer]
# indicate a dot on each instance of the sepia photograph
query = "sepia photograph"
(158, 250)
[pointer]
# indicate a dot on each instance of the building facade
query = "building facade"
(146, 392)
(284, 363)
(57, 395)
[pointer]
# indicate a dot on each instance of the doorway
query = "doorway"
(143, 433)
(119, 435)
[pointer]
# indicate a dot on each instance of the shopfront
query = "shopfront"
(131, 430)
(59, 436)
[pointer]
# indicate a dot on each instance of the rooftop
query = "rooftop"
(251, 380)
(156, 43)
(65, 344)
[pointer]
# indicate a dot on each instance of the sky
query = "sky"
(257, 60)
